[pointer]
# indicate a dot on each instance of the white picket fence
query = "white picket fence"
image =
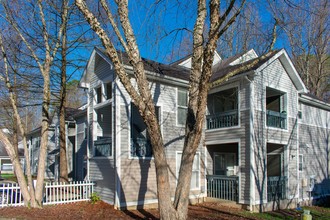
(54, 193)
(10, 195)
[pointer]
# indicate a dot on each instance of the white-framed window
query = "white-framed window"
(195, 175)
(300, 163)
(182, 106)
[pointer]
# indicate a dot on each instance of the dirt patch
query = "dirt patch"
(102, 210)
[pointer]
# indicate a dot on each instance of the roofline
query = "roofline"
(165, 78)
(292, 72)
(95, 51)
(314, 102)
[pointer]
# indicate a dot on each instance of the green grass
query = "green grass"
(8, 176)
(290, 214)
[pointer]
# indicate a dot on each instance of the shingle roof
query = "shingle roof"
(153, 66)
(179, 72)
(220, 70)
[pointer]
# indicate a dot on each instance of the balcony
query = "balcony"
(141, 147)
(222, 120)
(276, 119)
(103, 147)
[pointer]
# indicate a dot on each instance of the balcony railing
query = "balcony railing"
(276, 119)
(103, 147)
(222, 187)
(276, 188)
(222, 120)
(141, 147)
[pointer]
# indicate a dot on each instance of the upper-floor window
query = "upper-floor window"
(102, 147)
(276, 108)
(140, 138)
(98, 93)
(182, 106)
(103, 92)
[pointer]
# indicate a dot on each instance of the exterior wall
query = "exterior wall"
(34, 140)
(274, 76)
(314, 135)
(81, 148)
(238, 134)
(101, 169)
(138, 175)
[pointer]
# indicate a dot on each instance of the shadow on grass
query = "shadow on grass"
(215, 212)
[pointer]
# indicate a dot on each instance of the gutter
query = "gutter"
(314, 102)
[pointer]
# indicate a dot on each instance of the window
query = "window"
(140, 141)
(195, 175)
(109, 90)
(103, 147)
(182, 97)
(300, 163)
(98, 93)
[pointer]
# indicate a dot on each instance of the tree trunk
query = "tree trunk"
(63, 154)
(44, 138)
(17, 166)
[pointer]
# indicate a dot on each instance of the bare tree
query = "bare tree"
(201, 71)
(307, 28)
(42, 50)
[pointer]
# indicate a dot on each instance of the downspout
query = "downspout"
(116, 128)
(251, 127)
(88, 131)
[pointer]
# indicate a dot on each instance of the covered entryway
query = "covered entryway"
(223, 183)
(276, 179)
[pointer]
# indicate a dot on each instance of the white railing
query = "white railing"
(10, 195)
(54, 193)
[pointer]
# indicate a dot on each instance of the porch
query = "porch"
(223, 181)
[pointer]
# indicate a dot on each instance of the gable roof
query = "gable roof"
(162, 70)
(220, 69)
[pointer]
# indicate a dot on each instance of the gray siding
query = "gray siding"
(81, 148)
(274, 76)
(314, 135)
(138, 177)
(102, 172)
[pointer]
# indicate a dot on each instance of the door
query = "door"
(224, 164)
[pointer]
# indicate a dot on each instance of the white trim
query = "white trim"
(225, 128)
(205, 169)
(310, 125)
(117, 135)
(103, 104)
(226, 141)
(252, 159)
(225, 87)
(88, 132)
